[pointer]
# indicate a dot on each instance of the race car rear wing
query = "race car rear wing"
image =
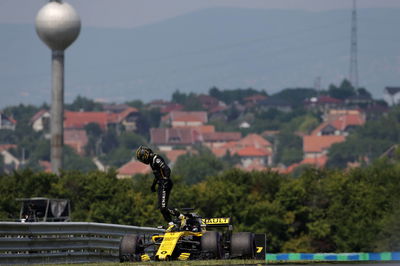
(217, 222)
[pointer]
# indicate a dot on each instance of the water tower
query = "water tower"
(58, 25)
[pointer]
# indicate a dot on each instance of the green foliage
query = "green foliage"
(84, 104)
(73, 161)
(194, 167)
(367, 143)
(290, 148)
(345, 90)
(1, 164)
(189, 101)
(230, 96)
(319, 211)
(296, 96)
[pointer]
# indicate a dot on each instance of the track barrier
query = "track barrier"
(63, 242)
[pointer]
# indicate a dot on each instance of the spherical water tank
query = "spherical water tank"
(58, 25)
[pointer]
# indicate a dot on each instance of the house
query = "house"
(168, 138)
(254, 140)
(250, 155)
(208, 102)
(76, 139)
(275, 103)
(132, 168)
(391, 95)
(358, 100)
(215, 139)
(317, 162)
(10, 161)
(252, 149)
(323, 103)
(7, 122)
(46, 166)
(253, 100)
(41, 122)
(78, 120)
(184, 119)
(128, 118)
(340, 122)
(164, 106)
(316, 146)
(173, 155)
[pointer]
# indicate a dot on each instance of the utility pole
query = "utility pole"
(353, 73)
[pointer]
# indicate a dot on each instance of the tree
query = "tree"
(195, 167)
(230, 96)
(296, 96)
(1, 164)
(289, 148)
(344, 91)
(84, 104)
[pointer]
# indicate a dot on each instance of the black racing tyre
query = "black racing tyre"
(130, 248)
(243, 245)
(211, 245)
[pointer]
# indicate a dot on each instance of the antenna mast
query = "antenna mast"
(353, 74)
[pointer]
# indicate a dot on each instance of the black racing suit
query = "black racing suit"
(162, 174)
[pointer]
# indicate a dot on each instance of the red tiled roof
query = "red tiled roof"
(183, 116)
(319, 161)
(219, 151)
(256, 98)
(174, 136)
(222, 136)
(252, 152)
(254, 140)
(38, 115)
(342, 122)
(171, 107)
(205, 129)
(174, 154)
(5, 147)
(80, 119)
(46, 165)
(320, 143)
(132, 168)
(12, 120)
(218, 108)
(118, 117)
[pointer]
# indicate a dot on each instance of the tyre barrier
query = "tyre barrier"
(63, 242)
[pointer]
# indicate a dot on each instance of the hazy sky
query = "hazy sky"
(131, 13)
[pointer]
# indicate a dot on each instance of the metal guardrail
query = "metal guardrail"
(63, 242)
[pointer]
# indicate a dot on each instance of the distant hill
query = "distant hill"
(223, 47)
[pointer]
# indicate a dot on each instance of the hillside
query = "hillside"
(223, 47)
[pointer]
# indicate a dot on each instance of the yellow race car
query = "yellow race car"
(196, 238)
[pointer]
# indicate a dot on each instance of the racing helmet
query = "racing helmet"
(144, 154)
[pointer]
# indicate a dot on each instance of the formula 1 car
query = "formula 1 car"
(193, 239)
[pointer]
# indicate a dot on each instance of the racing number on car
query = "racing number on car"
(259, 249)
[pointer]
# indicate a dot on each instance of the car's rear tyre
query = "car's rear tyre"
(211, 245)
(130, 248)
(243, 245)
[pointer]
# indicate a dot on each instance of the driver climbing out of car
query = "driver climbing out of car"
(161, 173)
